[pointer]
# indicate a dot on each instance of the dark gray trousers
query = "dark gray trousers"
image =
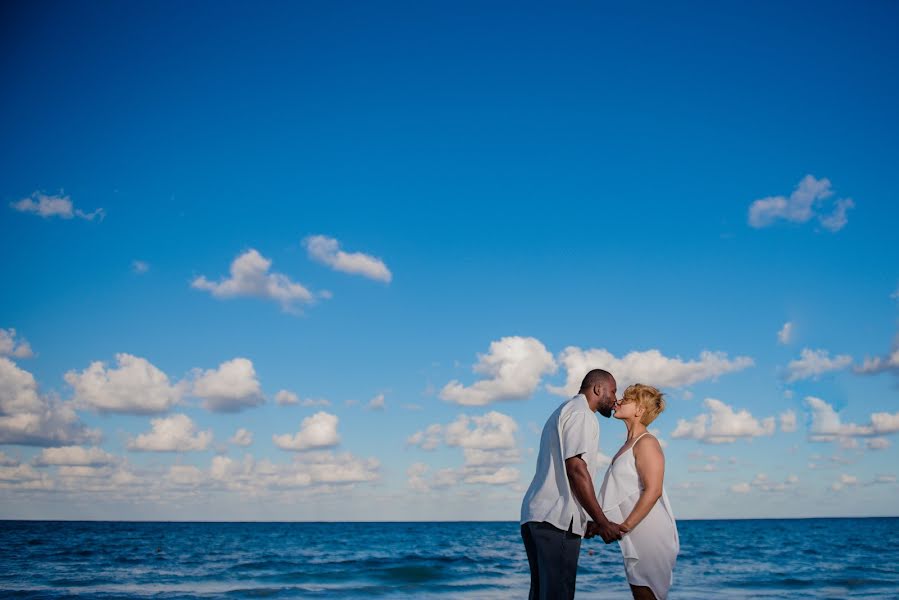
(552, 556)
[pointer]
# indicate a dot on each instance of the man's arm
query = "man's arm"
(582, 486)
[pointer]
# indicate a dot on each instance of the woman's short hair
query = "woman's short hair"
(648, 397)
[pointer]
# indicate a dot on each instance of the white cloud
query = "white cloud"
(649, 366)
(24, 477)
(493, 430)
(28, 418)
(878, 364)
(230, 388)
(326, 251)
(512, 369)
(250, 276)
(57, 205)
(740, 488)
(135, 387)
(376, 403)
(884, 479)
(723, 425)
(878, 443)
(286, 398)
(427, 439)
(242, 437)
(311, 470)
(837, 219)
(883, 422)
(8, 461)
(762, 483)
(9, 346)
(785, 335)
(788, 421)
(812, 363)
(317, 431)
(502, 476)
(172, 434)
(185, 475)
(140, 267)
(803, 204)
(843, 482)
(827, 426)
(488, 445)
(416, 474)
(74, 456)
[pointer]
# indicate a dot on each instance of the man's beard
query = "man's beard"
(605, 411)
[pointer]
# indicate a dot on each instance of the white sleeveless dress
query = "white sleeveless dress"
(651, 548)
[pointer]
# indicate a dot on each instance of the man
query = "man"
(560, 506)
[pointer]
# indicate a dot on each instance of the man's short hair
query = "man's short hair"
(597, 377)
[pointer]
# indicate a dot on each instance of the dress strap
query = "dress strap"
(638, 438)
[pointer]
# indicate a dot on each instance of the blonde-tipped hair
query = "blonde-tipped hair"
(649, 398)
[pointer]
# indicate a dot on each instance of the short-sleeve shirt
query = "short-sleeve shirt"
(571, 430)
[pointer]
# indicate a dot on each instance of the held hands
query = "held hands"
(608, 531)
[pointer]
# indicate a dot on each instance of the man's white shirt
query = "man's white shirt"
(571, 430)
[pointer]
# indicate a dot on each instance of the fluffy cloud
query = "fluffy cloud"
(24, 477)
(230, 388)
(788, 421)
(311, 470)
(242, 437)
(57, 205)
(878, 443)
(317, 431)
(140, 267)
(250, 277)
(9, 346)
(491, 431)
(762, 483)
(376, 403)
(812, 363)
(427, 439)
(826, 423)
(488, 445)
(650, 366)
(287, 398)
(723, 425)
(878, 364)
(326, 251)
(843, 482)
(74, 456)
(512, 369)
(135, 387)
(804, 204)
(785, 335)
(172, 434)
(28, 418)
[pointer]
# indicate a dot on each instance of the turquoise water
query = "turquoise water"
(808, 558)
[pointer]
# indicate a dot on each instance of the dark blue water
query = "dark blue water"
(813, 558)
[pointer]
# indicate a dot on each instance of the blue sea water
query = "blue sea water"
(807, 558)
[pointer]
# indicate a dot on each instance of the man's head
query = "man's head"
(600, 388)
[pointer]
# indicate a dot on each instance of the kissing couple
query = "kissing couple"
(560, 507)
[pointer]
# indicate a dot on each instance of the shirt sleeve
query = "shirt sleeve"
(579, 435)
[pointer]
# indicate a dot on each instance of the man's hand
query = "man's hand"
(608, 531)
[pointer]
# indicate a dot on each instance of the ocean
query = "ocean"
(795, 558)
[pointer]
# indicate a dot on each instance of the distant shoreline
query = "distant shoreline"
(711, 520)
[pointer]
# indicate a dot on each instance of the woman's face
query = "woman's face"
(625, 409)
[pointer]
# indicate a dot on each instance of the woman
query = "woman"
(632, 495)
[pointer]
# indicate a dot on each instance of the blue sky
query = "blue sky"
(416, 195)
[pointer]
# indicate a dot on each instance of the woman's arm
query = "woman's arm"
(651, 470)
